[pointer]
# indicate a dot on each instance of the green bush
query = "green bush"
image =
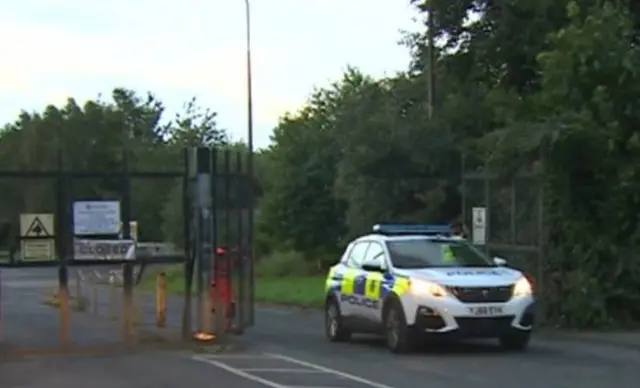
(288, 263)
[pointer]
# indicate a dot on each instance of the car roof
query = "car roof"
(405, 237)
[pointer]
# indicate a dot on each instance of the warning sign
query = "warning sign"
(39, 250)
(36, 225)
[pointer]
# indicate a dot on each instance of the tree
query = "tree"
(96, 137)
(542, 87)
(299, 172)
(587, 124)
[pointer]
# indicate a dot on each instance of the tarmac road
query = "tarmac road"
(287, 349)
(547, 363)
(26, 323)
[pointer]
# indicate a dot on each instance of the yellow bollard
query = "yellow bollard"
(94, 303)
(63, 295)
(128, 334)
(161, 300)
(79, 296)
(137, 308)
(113, 294)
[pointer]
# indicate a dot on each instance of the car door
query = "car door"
(351, 277)
(373, 282)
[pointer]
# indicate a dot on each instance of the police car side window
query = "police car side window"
(357, 254)
(376, 254)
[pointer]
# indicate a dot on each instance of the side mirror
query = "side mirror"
(499, 261)
(372, 266)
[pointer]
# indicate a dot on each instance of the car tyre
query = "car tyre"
(515, 340)
(399, 337)
(335, 328)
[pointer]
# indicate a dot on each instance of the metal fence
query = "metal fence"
(70, 261)
(514, 220)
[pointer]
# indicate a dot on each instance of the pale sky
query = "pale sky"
(52, 49)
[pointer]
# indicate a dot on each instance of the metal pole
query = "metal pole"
(249, 78)
(514, 210)
(212, 238)
(463, 178)
(203, 230)
(125, 216)
(231, 243)
(250, 228)
(187, 211)
(62, 200)
(430, 61)
(244, 309)
(487, 204)
(541, 249)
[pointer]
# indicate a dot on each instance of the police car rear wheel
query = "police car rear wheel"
(334, 327)
(400, 338)
(516, 340)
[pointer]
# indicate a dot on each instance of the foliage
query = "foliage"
(93, 137)
(545, 87)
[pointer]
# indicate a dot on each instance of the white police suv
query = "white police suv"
(408, 282)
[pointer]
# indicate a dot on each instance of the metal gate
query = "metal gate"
(514, 218)
(222, 240)
(68, 278)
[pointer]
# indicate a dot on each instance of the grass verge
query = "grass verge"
(285, 279)
(302, 291)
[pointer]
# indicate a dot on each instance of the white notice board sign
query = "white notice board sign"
(96, 217)
(479, 230)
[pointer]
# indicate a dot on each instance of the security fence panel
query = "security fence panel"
(72, 250)
(513, 222)
(221, 239)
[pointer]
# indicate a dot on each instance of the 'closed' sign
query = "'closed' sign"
(103, 249)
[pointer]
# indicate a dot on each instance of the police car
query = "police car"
(408, 282)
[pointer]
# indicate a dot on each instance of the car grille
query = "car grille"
(482, 294)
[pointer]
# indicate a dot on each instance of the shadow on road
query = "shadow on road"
(465, 348)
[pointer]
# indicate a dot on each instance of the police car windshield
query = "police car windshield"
(426, 253)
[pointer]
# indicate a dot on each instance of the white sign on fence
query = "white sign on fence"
(96, 217)
(479, 230)
(85, 249)
(133, 230)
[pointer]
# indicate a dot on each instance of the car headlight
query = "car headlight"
(425, 287)
(522, 287)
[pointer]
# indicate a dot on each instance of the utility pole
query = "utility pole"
(430, 60)
(249, 82)
(250, 170)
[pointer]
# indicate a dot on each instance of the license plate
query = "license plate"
(486, 311)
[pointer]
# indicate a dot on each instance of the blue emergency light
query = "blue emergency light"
(422, 229)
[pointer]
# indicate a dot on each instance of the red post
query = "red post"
(221, 289)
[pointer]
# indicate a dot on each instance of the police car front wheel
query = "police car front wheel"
(334, 325)
(400, 337)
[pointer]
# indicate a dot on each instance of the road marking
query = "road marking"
(238, 357)
(336, 372)
(239, 372)
(281, 370)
